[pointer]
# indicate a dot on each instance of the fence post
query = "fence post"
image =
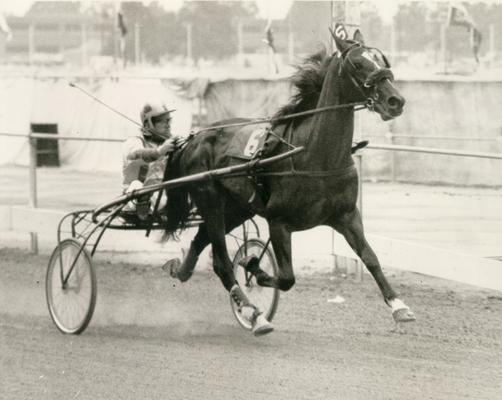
(137, 44)
(359, 263)
(349, 14)
(33, 189)
(392, 159)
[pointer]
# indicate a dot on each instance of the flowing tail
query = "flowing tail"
(178, 202)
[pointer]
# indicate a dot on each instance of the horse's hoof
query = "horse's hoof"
(403, 315)
(262, 326)
(250, 264)
(172, 266)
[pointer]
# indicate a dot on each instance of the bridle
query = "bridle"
(368, 86)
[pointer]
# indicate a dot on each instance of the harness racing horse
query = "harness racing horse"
(318, 187)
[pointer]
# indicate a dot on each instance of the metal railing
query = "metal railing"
(32, 167)
(53, 136)
(414, 149)
(430, 150)
(33, 137)
(392, 136)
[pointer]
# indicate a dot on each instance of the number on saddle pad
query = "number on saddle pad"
(254, 142)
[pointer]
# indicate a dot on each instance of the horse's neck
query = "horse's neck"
(332, 131)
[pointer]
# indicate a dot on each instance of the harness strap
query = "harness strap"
(377, 76)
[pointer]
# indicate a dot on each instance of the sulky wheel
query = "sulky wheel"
(265, 298)
(71, 304)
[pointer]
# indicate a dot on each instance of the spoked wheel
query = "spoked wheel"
(71, 296)
(265, 298)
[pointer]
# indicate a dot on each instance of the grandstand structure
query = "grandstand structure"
(61, 33)
(55, 33)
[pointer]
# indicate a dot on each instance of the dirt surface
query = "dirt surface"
(152, 337)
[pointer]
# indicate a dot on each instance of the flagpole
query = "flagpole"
(443, 46)
(348, 13)
(189, 43)
(31, 43)
(492, 43)
(291, 40)
(240, 51)
(115, 40)
(393, 55)
(84, 44)
(136, 44)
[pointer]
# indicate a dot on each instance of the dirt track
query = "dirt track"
(151, 337)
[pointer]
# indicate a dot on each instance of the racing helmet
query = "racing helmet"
(149, 113)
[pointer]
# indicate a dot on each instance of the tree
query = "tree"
(214, 27)
(372, 27)
(411, 25)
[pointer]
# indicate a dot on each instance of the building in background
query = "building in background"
(61, 32)
(227, 33)
(55, 32)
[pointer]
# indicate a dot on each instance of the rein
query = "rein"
(362, 104)
(294, 172)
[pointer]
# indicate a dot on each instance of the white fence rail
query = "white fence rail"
(391, 251)
(431, 150)
(32, 138)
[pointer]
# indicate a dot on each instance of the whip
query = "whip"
(73, 85)
(106, 105)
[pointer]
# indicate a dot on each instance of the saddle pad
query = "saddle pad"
(246, 143)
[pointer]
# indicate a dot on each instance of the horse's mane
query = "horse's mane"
(307, 81)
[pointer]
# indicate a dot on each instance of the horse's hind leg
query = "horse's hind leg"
(198, 244)
(223, 267)
(184, 271)
(351, 227)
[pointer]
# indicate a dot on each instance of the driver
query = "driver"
(144, 157)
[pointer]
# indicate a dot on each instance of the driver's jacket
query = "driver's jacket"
(140, 161)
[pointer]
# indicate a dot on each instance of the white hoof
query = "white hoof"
(248, 313)
(403, 315)
(262, 326)
(401, 312)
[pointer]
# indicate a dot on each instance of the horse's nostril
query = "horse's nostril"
(395, 102)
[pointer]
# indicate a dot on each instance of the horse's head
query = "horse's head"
(369, 72)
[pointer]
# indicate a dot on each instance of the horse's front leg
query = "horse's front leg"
(351, 227)
(281, 243)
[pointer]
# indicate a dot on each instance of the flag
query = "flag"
(269, 41)
(476, 38)
(269, 37)
(121, 24)
(123, 32)
(4, 27)
(459, 16)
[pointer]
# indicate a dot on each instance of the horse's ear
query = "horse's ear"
(358, 37)
(341, 44)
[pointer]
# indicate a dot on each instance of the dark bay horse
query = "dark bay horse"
(318, 187)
